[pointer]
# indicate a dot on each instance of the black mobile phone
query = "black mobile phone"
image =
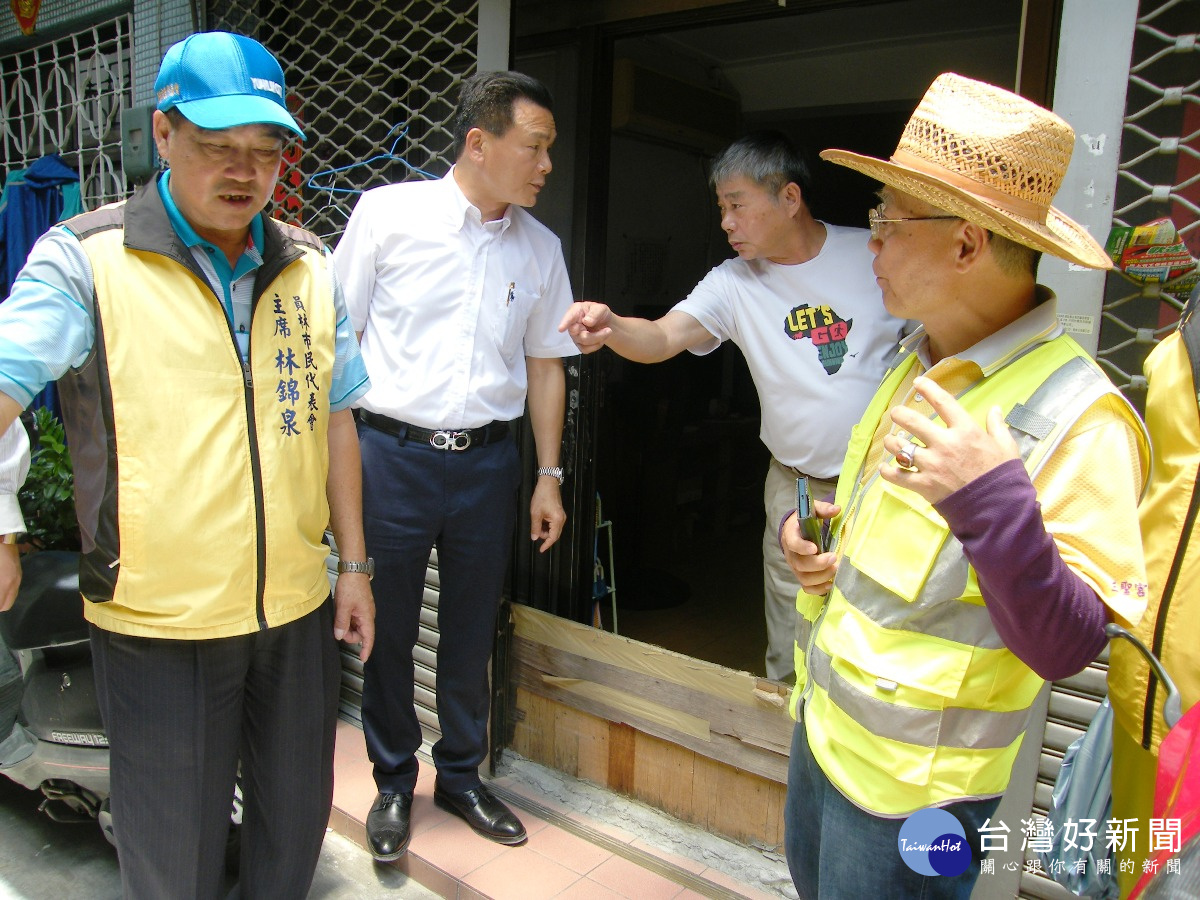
(806, 513)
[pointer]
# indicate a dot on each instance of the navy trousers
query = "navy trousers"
(179, 715)
(416, 497)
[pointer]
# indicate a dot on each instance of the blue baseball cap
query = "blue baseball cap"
(220, 80)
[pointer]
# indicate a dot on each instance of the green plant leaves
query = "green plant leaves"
(48, 496)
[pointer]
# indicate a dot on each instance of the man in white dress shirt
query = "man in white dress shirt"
(457, 293)
(14, 465)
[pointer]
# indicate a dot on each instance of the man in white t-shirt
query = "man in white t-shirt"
(801, 302)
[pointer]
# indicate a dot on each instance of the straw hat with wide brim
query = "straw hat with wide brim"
(991, 157)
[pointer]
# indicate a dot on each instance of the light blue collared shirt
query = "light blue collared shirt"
(45, 327)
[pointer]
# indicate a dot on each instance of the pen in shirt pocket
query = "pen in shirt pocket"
(512, 289)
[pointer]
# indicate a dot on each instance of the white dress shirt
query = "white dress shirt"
(448, 305)
(14, 466)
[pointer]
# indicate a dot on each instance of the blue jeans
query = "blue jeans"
(838, 851)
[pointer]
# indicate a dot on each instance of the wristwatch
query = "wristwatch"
(366, 568)
(552, 471)
(12, 537)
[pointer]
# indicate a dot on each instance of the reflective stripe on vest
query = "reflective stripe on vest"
(921, 665)
(1038, 426)
(953, 726)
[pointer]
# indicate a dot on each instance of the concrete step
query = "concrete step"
(584, 841)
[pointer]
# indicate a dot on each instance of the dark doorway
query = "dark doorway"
(673, 448)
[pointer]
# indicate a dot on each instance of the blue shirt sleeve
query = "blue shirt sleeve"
(45, 324)
(350, 380)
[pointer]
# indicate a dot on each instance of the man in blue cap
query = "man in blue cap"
(206, 367)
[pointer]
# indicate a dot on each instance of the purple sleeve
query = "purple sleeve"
(787, 515)
(1045, 613)
(779, 531)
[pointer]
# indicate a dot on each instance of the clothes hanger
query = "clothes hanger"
(323, 180)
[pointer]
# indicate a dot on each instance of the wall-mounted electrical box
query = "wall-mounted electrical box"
(139, 155)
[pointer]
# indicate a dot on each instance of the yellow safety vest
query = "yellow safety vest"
(201, 480)
(912, 699)
(1168, 516)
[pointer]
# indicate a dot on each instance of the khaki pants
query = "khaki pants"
(779, 582)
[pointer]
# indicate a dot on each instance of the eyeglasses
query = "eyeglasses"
(877, 219)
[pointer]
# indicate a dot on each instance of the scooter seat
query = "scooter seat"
(49, 609)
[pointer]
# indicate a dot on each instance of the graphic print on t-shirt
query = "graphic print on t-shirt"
(825, 328)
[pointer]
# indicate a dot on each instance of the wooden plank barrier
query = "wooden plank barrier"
(706, 744)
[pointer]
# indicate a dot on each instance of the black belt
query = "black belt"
(442, 438)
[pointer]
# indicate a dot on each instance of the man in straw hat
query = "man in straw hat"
(206, 366)
(985, 524)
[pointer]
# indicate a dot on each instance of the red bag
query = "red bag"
(1177, 796)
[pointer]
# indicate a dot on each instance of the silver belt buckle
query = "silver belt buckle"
(450, 440)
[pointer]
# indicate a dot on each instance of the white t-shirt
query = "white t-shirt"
(448, 305)
(815, 336)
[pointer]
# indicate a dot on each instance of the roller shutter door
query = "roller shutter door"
(360, 73)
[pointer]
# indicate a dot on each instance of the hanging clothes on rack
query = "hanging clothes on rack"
(34, 199)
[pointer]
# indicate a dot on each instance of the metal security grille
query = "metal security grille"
(374, 85)
(66, 97)
(1158, 177)
(365, 79)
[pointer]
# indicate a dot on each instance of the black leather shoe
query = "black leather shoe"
(387, 826)
(483, 812)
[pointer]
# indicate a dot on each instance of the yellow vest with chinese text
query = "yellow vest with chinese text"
(200, 479)
(1167, 514)
(912, 700)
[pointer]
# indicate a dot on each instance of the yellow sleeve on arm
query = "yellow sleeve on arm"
(1089, 492)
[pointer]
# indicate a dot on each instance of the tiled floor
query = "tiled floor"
(449, 858)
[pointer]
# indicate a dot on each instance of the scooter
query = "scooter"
(52, 738)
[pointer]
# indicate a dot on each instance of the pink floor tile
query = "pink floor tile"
(449, 858)
(565, 848)
(720, 878)
(521, 874)
(631, 880)
(533, 825)
(426, 775)
(454, 848)
(350, 744)
(426, 814)
(441, 883)
(353, 789)
(586, 889)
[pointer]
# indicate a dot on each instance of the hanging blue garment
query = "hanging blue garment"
(33, 200)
